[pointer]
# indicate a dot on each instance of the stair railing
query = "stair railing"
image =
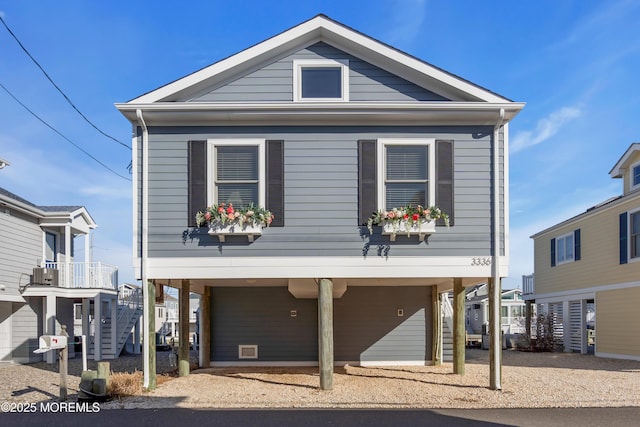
(447, 310)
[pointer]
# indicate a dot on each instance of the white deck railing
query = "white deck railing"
(86, 275)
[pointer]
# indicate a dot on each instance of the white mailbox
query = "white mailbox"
(51, 342)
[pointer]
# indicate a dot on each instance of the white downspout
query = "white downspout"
(143, 246)
(496, 350)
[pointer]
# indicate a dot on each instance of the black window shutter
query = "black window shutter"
(623, 238)
(275, 181)
(444, 179)
(367, 184)
(197, 171)
(576, 245)
(553, 252)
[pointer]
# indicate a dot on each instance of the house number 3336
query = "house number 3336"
(480, 261)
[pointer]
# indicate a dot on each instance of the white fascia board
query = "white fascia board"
(280, 42)
(618, 170)
(443, 113)
(379, 51)
(321, 29)
(313, 267)
(21, 207)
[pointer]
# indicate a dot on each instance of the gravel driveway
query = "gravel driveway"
(529, 380)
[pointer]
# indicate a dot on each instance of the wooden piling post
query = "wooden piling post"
(150, 303)
(325, 333)
(495, 335)
(204, 334)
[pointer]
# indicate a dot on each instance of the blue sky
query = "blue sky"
(575, 64)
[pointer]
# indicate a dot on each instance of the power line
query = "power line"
(59, 133)
(58, 88)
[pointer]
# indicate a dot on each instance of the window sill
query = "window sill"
(221, 230)
(421, 229)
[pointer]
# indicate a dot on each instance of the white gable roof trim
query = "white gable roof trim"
(619, 168)
(321, 28)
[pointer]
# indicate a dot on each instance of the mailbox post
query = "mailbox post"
(57, 342)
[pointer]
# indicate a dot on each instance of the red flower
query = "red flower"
(405, 216)
(415, 217)
(221, 209)
(230, 209)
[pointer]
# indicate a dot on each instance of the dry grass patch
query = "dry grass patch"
(130, 384)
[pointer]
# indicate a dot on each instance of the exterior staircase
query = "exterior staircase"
(447, 329)
(128, 313)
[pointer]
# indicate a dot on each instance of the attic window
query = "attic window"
(321, 80)
(635, 176)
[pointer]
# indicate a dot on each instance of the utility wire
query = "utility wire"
(58, 88)
(59, 133)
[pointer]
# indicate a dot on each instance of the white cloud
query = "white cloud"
(545, 129)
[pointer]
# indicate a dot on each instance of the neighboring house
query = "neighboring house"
(321, 125)
(167, 316)
(592, 261)
(168, 320)
(477, 310)
(43, 281)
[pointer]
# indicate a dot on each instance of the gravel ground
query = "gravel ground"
(529, 380)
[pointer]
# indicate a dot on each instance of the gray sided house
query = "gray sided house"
(46, 283)
(321, 125)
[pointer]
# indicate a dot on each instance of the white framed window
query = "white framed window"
(320, 80)
(634, 235)
(407, 168)
(565, 248)
(635, 175)
(236, 170)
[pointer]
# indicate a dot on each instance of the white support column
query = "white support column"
(86, 309)
(87, 259)
(50, 323)
(97, 325)
(67, 256)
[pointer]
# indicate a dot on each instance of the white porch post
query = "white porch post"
(97, 326)
(86, 308)
(67, 256)
(87, 259)
(50, 323)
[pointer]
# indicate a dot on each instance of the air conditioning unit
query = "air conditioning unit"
(45, 276)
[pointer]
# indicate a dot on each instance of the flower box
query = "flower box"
(419, 228)
(222, 230)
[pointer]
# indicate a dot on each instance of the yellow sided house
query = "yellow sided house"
(593, 260)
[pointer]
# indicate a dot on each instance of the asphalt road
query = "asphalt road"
(583, 417)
